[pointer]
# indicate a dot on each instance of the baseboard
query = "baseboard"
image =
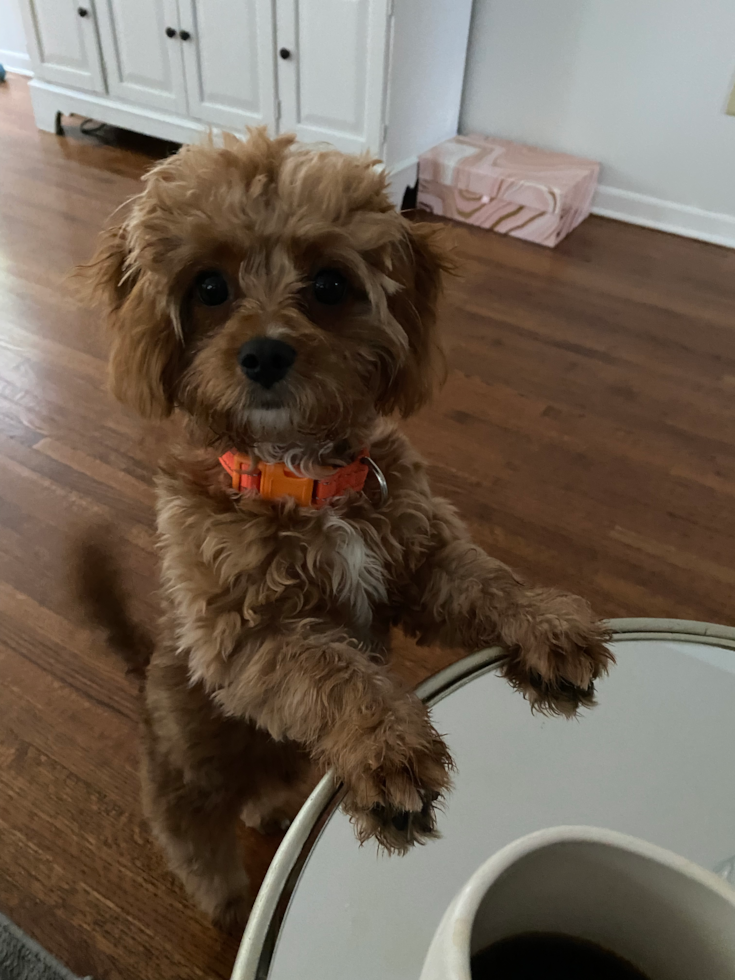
(16, 61)
(677, 219)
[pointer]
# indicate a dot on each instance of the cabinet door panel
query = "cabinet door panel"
(144, 66)
(229, 60)
(332, 86)
(63, 44)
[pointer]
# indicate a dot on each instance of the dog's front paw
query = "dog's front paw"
(395, 828)
(396, 801)
(557, 649)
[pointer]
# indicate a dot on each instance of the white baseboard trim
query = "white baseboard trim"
(16, 61)
(677, 219)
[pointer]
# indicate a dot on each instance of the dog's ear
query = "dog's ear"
(144, 340)
(419, 269)
(105, 280)
(144, 352)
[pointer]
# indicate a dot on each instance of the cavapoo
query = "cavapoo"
(273, 296)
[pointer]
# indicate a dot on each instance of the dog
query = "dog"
(273, 297)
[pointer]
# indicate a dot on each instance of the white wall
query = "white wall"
(640, 85)
(13, 50)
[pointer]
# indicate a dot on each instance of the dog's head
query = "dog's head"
(271, 292)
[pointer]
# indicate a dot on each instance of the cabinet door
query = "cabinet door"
(229, 61)
(63, 44)
(143, 64)
(332, 81)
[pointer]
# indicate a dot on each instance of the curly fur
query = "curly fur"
(271, 665)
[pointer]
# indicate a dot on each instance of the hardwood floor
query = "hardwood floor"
(586, 432)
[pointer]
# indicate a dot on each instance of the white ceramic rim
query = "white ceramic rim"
(258, 943)
(467, 901)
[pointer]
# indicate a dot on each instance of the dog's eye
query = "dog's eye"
(212, 288)
(330, 287)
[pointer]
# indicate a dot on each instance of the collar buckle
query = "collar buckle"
(274, 480)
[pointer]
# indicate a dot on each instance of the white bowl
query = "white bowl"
(669, 917)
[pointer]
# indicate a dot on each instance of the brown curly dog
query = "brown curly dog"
(275, 298)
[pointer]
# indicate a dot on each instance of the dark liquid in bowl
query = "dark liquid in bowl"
(550, 956)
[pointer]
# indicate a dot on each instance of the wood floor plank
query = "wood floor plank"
(586, 433)
(30, 694)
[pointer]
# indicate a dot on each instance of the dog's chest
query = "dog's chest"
(354, 565)
(258, 565)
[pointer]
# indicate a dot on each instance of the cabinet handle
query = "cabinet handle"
(285, 54)
(82, 11)
(184, 35)
(170, 32)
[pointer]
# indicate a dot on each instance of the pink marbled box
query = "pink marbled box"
(508, 187)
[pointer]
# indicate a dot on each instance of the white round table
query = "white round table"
(653, 759)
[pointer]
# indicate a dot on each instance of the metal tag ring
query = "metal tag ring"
(378, 473)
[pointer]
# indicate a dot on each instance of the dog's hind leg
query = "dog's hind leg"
(275, 809)
(200, 769)
(196, 826)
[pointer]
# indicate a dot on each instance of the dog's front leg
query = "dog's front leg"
(320, 690)
(464, 598)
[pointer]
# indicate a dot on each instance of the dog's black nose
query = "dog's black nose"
(265, 360)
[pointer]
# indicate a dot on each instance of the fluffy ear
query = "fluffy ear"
(105, 281)
(143, 354)
(419, 269)
(144, 341)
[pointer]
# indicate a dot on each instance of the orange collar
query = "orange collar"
(274, 480)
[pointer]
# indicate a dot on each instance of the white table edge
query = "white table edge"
(261, 933)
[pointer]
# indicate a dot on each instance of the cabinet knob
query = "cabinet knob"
(170, 32)
(82, 11)
(285, 54)
(184, 35)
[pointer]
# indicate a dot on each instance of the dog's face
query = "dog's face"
(272, 293)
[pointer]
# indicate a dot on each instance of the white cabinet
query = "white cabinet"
(383, 76)
(143, 63)
(229, 59)
(62, 43)
(331, 70)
